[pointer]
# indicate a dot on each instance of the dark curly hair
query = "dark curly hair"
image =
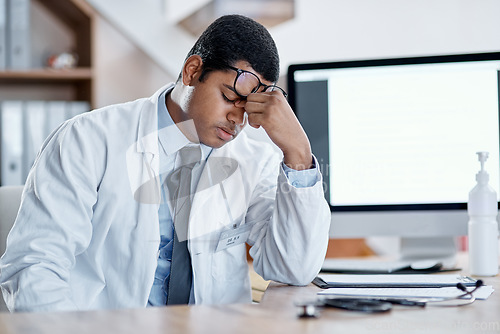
(232, 38)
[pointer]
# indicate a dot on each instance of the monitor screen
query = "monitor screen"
(400, 134)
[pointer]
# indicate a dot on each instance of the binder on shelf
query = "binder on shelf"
(24, 126)
(34, 132)
(18, 34)
(75, 108)
(3, 34)
(56, 115)
(11, 123)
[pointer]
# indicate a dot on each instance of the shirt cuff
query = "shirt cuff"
(302, 178)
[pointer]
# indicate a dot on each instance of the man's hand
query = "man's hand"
(272, 111)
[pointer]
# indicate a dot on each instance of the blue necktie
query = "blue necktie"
(179, 186)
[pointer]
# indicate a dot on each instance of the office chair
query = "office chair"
(10, 199)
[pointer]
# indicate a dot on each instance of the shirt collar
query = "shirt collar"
(170, 137)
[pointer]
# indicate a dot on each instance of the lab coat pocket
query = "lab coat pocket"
(230, 264)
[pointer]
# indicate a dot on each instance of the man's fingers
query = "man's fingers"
(255, 119)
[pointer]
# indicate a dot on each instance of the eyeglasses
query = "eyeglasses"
(247, 83)
(377, 305)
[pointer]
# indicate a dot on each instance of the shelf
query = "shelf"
(77, 18)
(28, 84)
(83, 73)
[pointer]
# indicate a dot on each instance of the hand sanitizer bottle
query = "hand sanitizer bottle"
(483, 226)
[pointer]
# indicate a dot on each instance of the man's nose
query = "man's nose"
(237, 114)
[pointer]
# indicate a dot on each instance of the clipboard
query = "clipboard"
(391, 281)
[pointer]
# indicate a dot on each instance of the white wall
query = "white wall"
(329, 30)
(122, 71)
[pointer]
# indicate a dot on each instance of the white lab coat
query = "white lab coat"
(87, 234)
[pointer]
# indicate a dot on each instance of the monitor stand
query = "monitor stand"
(439, 249)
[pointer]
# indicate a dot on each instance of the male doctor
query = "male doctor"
(97, 226)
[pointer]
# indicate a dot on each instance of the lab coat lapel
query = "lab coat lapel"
(142, 157)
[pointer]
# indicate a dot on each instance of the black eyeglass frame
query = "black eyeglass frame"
(266, 87)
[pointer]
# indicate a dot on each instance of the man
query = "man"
(103, 223)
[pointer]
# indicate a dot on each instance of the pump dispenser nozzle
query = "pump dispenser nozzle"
(482, 176)
(482, 157)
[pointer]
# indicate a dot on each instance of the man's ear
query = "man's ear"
(192, 69)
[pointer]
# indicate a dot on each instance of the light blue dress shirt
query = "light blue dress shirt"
(170, 141)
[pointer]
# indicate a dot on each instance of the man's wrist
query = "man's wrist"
(299, 161)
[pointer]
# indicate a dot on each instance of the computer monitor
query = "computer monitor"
(396, 140)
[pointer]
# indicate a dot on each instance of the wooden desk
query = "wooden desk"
(275, 314)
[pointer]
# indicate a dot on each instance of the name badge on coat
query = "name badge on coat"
(232, 237)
